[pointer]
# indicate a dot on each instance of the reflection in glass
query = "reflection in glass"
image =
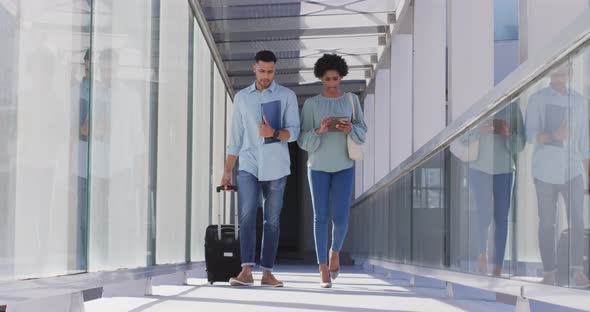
(557, 127)
(118, 229)
(427, 213)
(41, 195)
(202, 107)
(491, 182)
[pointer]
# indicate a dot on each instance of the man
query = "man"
(264, 163)
(556, 125)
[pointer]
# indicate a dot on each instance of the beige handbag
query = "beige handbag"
(355, 150)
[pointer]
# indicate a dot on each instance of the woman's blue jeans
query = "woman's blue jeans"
(333, 188)
(493, 198)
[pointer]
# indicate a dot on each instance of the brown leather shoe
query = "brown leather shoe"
(244, 279)
(269, 280)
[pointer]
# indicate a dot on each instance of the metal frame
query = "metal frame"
(202, 21)
(570, 39)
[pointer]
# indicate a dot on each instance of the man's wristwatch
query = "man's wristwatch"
(276, 134)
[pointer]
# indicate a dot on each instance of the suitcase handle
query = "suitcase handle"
(233, 188)
(227, 188)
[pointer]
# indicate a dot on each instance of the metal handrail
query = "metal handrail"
(573, 37)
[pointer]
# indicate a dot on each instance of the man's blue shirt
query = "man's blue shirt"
(270, 161)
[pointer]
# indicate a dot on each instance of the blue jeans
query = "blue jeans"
(493, 197)
(322, 185)
(248, 203)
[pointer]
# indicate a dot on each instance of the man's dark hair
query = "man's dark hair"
(266, 56)
(330, 62)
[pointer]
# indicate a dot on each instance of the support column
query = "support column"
(430, 34)
(369, 160)
(471, 53)
(382, 122)
(401, 99)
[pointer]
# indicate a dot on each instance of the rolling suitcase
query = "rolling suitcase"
(222, 247)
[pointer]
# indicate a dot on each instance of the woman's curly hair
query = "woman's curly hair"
(330, 62)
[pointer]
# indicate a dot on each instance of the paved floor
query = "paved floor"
(353, 291)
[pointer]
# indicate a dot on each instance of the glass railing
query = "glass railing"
(505, 196)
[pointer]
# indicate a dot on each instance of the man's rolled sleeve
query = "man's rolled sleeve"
(236, 138)
(292, 121)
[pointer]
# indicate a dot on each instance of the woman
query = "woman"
(491, 178)
(324, 131)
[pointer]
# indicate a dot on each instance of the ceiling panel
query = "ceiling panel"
(299, 32)
(303, 8)
(227, 49)
(343, 21)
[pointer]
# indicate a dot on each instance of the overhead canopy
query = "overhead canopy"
(299, 32)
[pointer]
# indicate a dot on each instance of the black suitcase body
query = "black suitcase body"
(222, 254)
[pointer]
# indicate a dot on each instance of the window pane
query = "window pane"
(43, 94)
(428, 237)
(550, 198)
(173, 92)
(119, 137)
(201, 176)
(217, 145)
(574, 267)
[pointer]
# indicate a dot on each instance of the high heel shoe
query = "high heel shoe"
(334, 274)
(322, 284)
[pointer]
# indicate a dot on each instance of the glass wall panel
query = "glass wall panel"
(552, 219)
(428, 219)
(229, 197)
(579, 230)
(218, 161)
(173, 92)
(119, 139)
(201, 153)
(380, 223)
(462, 218)
(536, 233)
(44, 92)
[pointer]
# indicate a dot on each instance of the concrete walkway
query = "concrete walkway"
(353, 291)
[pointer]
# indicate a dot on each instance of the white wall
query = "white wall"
(542, 20)
(172, 133)
(429, 69)
(382, 123)
(401, 99)
(369, 160)
(471, 53)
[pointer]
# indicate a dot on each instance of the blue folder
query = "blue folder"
(272, 112)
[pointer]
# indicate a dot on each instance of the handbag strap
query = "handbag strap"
(352, 104)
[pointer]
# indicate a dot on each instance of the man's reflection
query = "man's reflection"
(557, 127)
